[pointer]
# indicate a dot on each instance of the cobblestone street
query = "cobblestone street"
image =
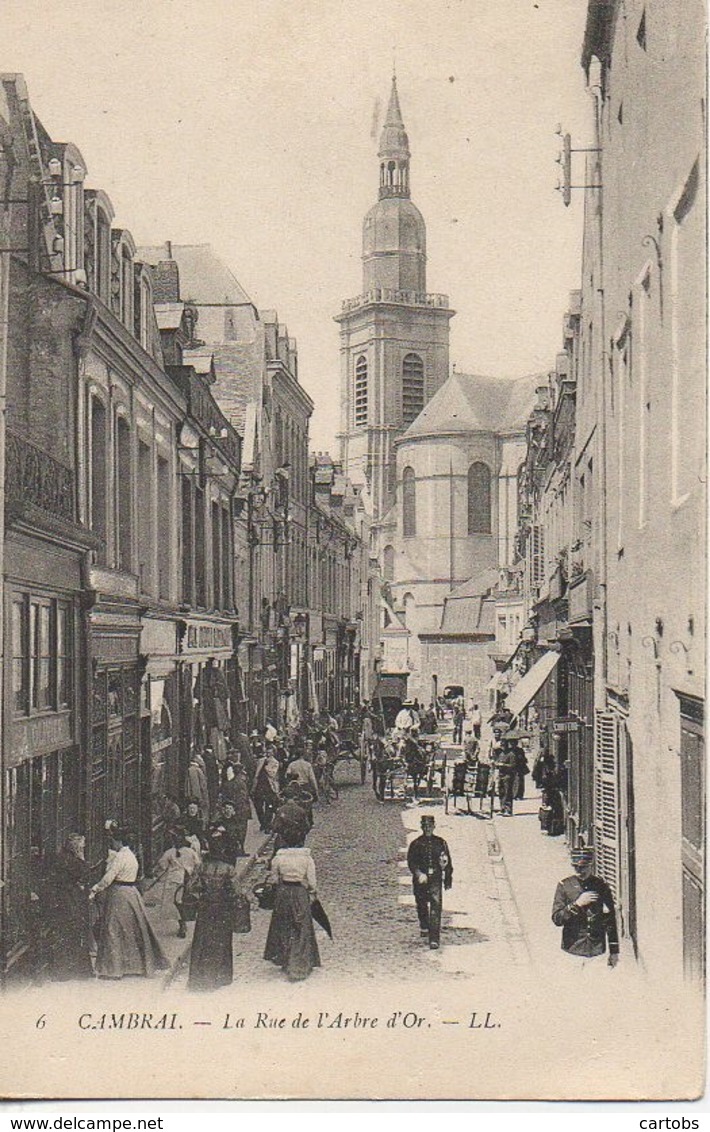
(359, 847)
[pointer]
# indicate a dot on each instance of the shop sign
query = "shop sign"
(202, 638)
(39, 735)
(564, 726)
(158, 638)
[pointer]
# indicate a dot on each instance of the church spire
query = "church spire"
(394, 152)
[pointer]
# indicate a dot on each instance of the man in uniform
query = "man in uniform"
(506, 761)
(430, 864)
(584, 908)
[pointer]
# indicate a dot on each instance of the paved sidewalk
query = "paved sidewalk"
(163, 915)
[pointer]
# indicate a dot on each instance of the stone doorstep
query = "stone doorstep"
(245, 868)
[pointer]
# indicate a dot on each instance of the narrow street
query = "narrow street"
(359, 846)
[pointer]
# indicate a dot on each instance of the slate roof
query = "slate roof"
(204, 278)
(473, 403)
(469, 608)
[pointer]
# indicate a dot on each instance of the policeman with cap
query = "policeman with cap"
(584, 908)
(430, 864)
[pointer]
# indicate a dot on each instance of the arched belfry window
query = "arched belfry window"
(409, 503)
(479, 499)
(361, 391)
(412, 387)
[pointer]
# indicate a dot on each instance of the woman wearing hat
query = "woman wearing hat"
(214, 887)
(127, 944)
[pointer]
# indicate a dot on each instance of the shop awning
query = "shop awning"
(531, 683)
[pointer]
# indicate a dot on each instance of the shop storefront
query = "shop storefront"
(42, 765)
(163, 763)
(114, 771)
(207, 677)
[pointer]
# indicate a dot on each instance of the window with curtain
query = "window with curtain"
(479, 499)
(409, 503)
(361, 392)
(412, 388)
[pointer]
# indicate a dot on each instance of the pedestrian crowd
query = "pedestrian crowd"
(100, 927)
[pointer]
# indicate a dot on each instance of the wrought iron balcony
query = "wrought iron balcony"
(35, 478)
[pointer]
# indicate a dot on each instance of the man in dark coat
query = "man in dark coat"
(292, 822)
(584, 908)
(430, 864)
(507, 762)
(234, 789)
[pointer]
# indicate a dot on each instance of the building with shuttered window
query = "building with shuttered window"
(644, 470)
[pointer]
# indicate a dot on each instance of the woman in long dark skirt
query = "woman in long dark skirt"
(552, 811)
(127, 944)
(214, 886)
(68, 906)
(291, 942)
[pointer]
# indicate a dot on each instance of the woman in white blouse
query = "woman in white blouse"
(127, 944)
(291, 942)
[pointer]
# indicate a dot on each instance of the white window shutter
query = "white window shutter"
(606, 798)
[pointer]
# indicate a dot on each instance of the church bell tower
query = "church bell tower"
(394, 337)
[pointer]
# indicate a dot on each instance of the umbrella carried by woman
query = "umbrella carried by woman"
(291, 941)
(213, 886)
(127, 944)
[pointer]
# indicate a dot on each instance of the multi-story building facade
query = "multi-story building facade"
(555, 584)
(46, 546)
(118, 565)
(643, 347)
(614, 520)
(290, 586)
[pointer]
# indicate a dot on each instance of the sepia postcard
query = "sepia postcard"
(353, 549)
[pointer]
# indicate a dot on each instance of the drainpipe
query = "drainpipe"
(597, 92)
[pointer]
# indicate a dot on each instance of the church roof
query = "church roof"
(472, 403)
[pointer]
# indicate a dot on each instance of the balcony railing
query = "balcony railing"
(402, 298)
(34, 477)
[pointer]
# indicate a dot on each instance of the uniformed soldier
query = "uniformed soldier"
(430, 864)
(584, 908)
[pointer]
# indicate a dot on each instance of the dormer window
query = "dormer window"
(97, 243)
(102, 270)
(73, 173)
(124, 250)
(142, 305)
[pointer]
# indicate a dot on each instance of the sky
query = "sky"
(253, 125)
